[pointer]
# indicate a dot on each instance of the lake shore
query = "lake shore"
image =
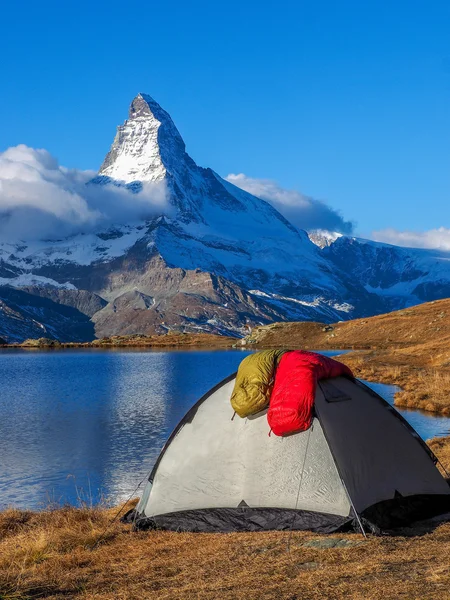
(409, 348)
(169, 340)
(56, 554)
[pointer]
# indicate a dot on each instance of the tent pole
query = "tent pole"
(354, 509)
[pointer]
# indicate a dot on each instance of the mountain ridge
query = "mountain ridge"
(214, 258)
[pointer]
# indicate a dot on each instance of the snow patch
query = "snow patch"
(26, 279)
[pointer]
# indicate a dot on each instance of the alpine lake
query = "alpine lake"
(82, 426)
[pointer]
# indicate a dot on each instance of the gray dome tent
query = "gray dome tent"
(359, 465)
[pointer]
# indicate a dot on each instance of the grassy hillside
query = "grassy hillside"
(410, 348)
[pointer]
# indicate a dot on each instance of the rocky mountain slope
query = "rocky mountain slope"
(46, 312)
(214, 258)
(400, 276)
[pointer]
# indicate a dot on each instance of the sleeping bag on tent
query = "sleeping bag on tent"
(254, 382)
(292, 400)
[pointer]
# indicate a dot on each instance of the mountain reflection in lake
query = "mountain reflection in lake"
(90, 423)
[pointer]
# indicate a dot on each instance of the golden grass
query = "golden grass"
(53, 554)
(435, 383)
(423, 388)
(49, 555)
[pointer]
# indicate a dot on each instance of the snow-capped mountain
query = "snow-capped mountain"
(322, 237)
(215, 258)
(401, 276)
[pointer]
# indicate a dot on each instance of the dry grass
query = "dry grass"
(441, 448)
(423, 388)
(435, 383)
(49, 555)
(409, 348)
(53, 555)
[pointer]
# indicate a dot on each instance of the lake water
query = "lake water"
(89, 424)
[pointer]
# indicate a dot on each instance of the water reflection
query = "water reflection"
(90, 423)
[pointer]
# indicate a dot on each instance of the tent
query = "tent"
(360, 465)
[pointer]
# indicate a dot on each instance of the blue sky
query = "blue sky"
(347, 101)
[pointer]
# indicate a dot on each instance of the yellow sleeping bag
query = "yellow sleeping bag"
(254, 382)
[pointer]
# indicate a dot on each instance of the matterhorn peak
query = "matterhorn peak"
(140, 107)
(144, 107)
(146, 147)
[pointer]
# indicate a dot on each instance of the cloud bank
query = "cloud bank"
(302, 211)
(39, 199)
(437, 239)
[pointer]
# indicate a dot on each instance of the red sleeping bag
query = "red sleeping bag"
(294, 390)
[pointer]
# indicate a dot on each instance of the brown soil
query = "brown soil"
(52, 554)
(409, 348)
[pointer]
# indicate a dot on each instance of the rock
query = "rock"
(87, 303)
(332, 543)
(25, 315)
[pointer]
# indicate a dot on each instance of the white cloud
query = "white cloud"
(302, 211)
(438, 239)
(41, 199)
